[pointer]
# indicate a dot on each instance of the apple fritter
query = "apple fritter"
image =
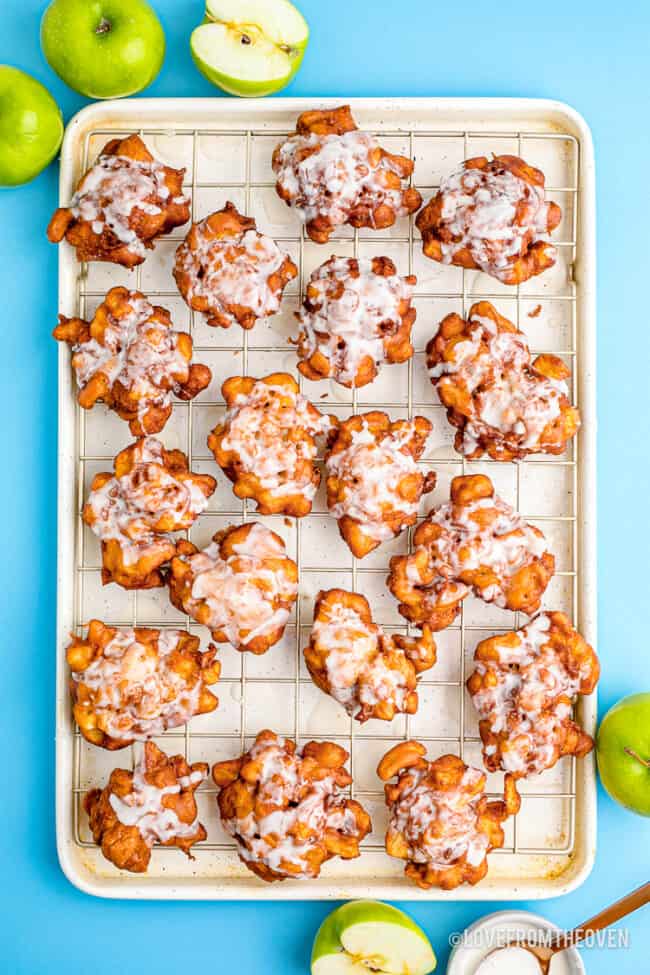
(440, 820)
(498, 400)
(371, 673)
(154, 803)
(373, 482)
(492, 215)
(131, 358)
(151, 493)
(523, 686)
(333, 174)
(231, 273)
(266, 443)
(475, 543)
(123, 203)
(357, 314)
(242, 586)
(286, 809)
(132, 684)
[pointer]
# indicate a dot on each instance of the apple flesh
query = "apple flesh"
(623, 752)
(103, 48)
(31, 127)
(364, 936)
(250, 47)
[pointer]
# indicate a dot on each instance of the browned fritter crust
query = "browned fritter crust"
(125, 845)
(229, 272)
(152, 492)
(312, 821)
(476, 543)
(496, 370)
(355, 450)
(455, 232)
(131, 358)
(375, 175)
(130, 684)
(373, 674)
(346, 341)
(160, 190)
(523, 687)
(251, 584)
(265, 444)
(440, 820)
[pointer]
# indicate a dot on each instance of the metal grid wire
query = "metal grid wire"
(181, 739)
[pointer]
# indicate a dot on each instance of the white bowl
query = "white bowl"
(493, 930)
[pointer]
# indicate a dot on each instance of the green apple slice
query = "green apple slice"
(364, 936)
(250, 47)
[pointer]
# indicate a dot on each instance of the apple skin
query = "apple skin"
(243, 88)
(121, 60)
(31, 127)
(624, 776)
(328, 936)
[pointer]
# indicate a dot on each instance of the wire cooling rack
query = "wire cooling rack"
(232, 162)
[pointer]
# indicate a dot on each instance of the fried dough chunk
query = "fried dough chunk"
(440, 819)
(333, 174)
(132, 359)
(373, 482)
(266, 443)
(231, 273)
(132, 684)
(153, 804)
(242, 586)
(475, 543)
(371, 673)
(285, 809)
(492, 215)
(523, 687)
(357, 314)
(152, 492)
(498, 400)
(123, 203)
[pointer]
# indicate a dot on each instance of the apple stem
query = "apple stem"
(103, 27)
(633, 754)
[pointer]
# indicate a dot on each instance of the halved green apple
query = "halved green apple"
(364, 936)
(250, 47)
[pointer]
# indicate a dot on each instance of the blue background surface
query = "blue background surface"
(591, 54)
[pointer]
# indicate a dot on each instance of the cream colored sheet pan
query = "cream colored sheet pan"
(226, 145)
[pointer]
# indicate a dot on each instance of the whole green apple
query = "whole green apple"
(31, 127)
(103, 48)
(623, 750)
(363, 936)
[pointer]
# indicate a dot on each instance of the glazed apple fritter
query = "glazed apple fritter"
(132, 359)
(242, 586)
(124, 202)
(373, 482)
(285, 808)
(492, 215)
(153, 804)
(231, 273)
(371, 673)
(441, 821)
(475, 543)
(132, 684)
(357, 314)
(266, 443)
(152, 492)
(333, 174)
(523, 686)
(498, 399)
